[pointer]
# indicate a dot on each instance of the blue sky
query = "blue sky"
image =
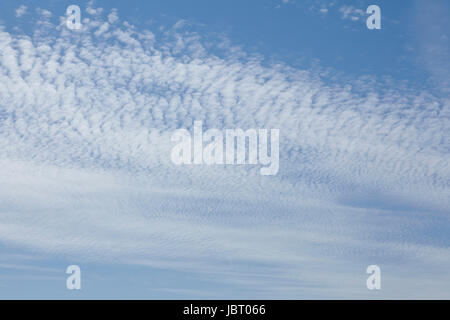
(86, 178)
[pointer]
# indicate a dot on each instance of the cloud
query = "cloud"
(112, 16)
(320, 7)
(85, 124)
(44, 13)
(20, 11)
(351, 13)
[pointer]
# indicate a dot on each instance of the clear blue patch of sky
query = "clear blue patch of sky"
(295, 33)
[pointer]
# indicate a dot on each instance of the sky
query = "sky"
(86, 177)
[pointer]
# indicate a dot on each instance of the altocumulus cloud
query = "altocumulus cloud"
(85, 124)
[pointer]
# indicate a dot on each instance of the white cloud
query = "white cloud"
(20, 11)
(112, 16)
(94, 11)
(351, 13)
(44, 13)
(320, 6)
(85, 168)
